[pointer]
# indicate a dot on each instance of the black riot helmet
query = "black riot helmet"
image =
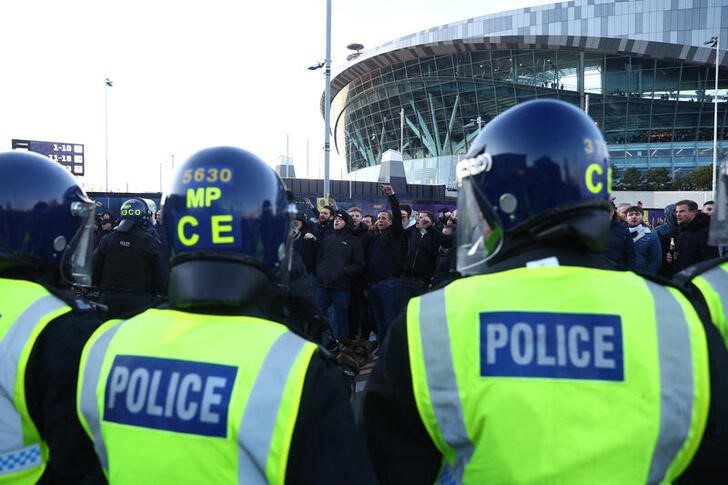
(229, 223)
(538, 171)
(134, 211)
(46, 219)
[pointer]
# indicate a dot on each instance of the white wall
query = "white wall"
(658, 200)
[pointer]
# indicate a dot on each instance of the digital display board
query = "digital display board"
(70, 155)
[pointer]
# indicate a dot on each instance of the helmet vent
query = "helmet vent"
(59, 243)
(508, 203)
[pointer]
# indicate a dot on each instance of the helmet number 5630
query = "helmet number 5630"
(207, 174)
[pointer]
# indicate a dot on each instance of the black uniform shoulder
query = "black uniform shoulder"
(520, 256)
(50, 382)
(326, 446)
(697, 269)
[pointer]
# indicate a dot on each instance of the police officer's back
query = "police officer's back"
(526, 370)
(46, 239)
(211, 389)
(128, 264)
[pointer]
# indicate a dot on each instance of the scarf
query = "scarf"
(639, 231)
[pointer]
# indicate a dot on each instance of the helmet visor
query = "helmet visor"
(286, 267)
(480, 231)
(79, 253)
(718, 234)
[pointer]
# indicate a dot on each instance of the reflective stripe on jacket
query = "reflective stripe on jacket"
(25, 310)
(538, 375)
(178, 397)
(713, 284)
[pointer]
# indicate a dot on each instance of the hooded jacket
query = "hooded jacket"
(664, 232)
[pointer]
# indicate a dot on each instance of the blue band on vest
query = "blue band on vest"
(19, 460)
(553, 345)
(170, 394)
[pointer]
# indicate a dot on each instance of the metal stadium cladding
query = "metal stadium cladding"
(641, 69)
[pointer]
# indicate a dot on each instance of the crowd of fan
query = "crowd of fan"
(353, 273)
(365, 268)
(678, 240)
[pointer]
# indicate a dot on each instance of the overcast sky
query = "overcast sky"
(188, 75)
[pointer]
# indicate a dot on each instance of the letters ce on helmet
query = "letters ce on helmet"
(226, 204)
(46, 219)
(538, 171)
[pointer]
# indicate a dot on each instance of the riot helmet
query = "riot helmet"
(46, 219)
(538, 171)
(134, 211)
(152, 208)
(229, 221)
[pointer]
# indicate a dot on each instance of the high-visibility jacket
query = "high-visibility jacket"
(25, 310)
(541, 375)
(713, 284)
(176, 397)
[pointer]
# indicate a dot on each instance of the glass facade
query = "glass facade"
(640, 67)
(652, 112)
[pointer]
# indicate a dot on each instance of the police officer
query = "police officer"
(711, 277)
(525, 370)
(46, 240)
(211, 390)
(128, 264)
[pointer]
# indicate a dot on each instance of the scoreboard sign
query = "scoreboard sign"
(70, 155)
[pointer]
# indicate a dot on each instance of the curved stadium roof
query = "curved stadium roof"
(625, 46)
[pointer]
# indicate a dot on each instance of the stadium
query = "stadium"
(641, 69)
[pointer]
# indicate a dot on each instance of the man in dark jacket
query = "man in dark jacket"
(620, 251)
(422, 252)
(128, 264)
(106, 225)
(384, 264)
(692, 238)
(304, 243)
(359, 325)
(665, 231)
(444, 265)
(339, 259)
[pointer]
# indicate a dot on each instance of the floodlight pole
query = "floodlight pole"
(327, 100)
(715, 114)
(107, 84)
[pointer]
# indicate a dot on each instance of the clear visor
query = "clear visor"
(285, 251)
(719, 220)
(79, 253)
(479, 233)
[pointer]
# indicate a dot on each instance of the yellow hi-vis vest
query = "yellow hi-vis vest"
(176, 397)
(541, 375)
(713, 284)
(26, 308)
